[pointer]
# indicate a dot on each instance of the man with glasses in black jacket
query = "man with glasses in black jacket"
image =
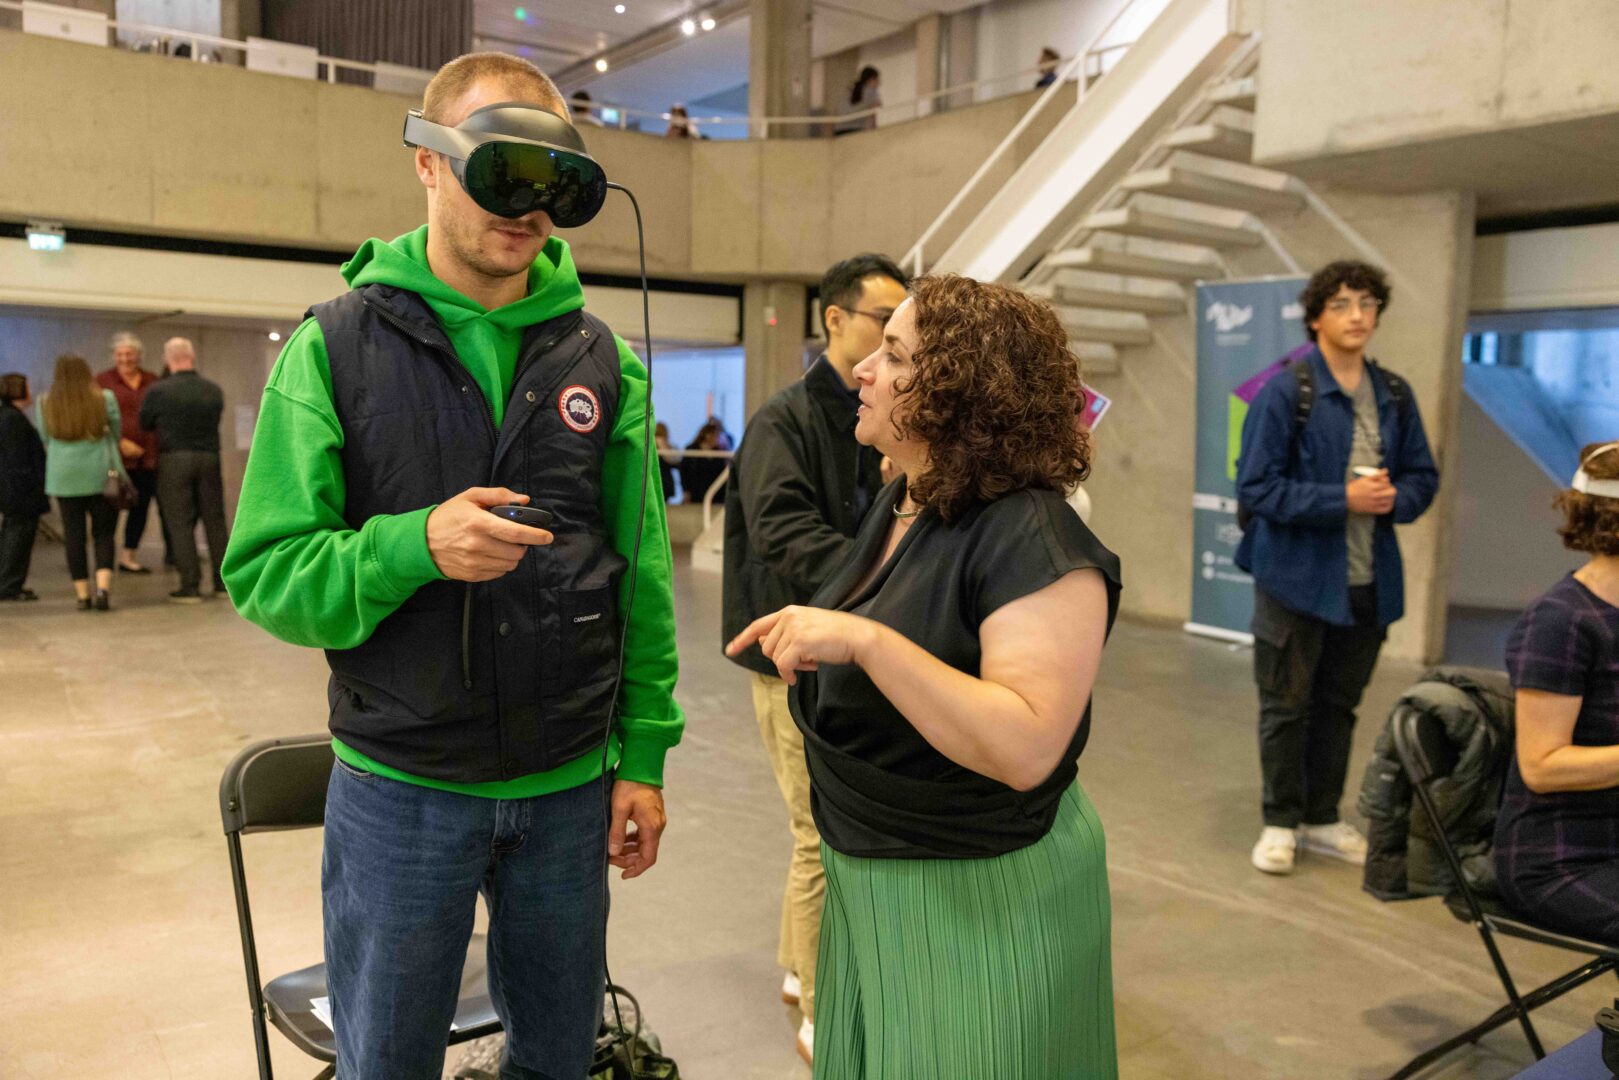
(800, 486)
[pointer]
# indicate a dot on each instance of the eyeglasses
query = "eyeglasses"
(1367, 304)
(869, 314)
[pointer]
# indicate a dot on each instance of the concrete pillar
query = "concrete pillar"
(839, 71)
(772, 337)
(929, 58)
(958, 56)
(779, 63)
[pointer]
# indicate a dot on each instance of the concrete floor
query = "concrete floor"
(118, 935)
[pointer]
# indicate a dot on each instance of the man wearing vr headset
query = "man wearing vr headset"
(475, 660)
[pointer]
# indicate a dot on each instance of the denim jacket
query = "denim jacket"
(1295, 546)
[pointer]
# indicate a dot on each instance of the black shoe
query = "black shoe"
(185, 596)
(86, 604)
(103, 601)
(20, 595)
(137, 569)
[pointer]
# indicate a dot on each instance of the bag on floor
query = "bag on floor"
(626, 1049)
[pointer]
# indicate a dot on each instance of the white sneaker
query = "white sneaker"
(1276, 850)
(806, 1042)
(1340, 840)
(792, 989)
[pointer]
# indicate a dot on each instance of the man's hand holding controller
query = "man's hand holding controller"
(469, 543)
(1370, 492)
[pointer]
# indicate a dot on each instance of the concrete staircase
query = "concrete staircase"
(1170, 219)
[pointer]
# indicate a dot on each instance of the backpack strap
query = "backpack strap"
(1304, 379)
(1399, 389)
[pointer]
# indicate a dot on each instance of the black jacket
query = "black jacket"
(504, 678)
(1403, 859)
(22, 466)
(184, 410)
(800, 486)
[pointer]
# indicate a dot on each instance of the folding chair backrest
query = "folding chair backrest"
(277, 784)
(1427, 755)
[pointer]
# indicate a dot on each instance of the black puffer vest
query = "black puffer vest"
(504, 678)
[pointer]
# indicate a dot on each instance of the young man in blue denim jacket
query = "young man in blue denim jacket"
(1325, 484)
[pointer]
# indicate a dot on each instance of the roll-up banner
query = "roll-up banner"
(1244, 331)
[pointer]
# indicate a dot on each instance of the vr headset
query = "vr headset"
(1583, 483)
(514, 159)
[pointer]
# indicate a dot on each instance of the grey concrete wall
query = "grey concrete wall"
(149, 144)
(1515, 100)
(790, 208)
(1142, 484)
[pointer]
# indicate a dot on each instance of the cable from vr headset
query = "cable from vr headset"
(621, 1035)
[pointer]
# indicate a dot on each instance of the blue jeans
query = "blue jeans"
(402, 869)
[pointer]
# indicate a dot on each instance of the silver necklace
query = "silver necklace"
(906, 513)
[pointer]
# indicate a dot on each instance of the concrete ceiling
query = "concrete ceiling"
(705, 65)
(558, 32)
(1521, 170)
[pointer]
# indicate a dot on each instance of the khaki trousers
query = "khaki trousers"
(806, 882)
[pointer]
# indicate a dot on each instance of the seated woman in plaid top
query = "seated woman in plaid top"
(1557, 838)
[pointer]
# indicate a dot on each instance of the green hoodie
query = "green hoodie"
(294, 567)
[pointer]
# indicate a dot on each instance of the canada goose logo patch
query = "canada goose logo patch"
(579, 408)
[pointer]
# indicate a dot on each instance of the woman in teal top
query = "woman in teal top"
(79, 422)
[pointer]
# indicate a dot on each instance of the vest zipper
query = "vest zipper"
(494, 436)
(494, 439)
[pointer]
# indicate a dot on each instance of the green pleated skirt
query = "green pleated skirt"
(970, 969)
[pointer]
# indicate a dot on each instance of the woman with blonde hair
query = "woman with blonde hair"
(80, 424)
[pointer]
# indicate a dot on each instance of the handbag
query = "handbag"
(117, 488)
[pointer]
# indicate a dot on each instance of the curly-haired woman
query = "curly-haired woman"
(942, 682)
(1557, 838)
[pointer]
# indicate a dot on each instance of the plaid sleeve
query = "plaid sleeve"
(1550, 649)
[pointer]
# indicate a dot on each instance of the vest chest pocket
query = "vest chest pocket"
(588, 638)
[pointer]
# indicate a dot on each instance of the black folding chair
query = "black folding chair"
(281, 784)
(1426, 755)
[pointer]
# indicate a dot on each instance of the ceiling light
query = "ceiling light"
(520, 14)
(274, 336)
(688, 27)
(708, 22)
(618, 9)
(46, 236)
(601, 65)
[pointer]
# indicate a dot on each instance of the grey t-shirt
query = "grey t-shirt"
(1365, 449)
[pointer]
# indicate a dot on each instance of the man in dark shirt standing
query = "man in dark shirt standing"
(800, 487)
(184, 410)
(129, 381)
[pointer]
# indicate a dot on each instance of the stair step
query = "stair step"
(1237, 93)
(1108, 327)
(1216, 140)
(1095, 357)
(1164, 300)
(1202, 266)
(1231, 229)
(1216, 181)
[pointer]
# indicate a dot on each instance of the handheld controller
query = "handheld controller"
(525, 515)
